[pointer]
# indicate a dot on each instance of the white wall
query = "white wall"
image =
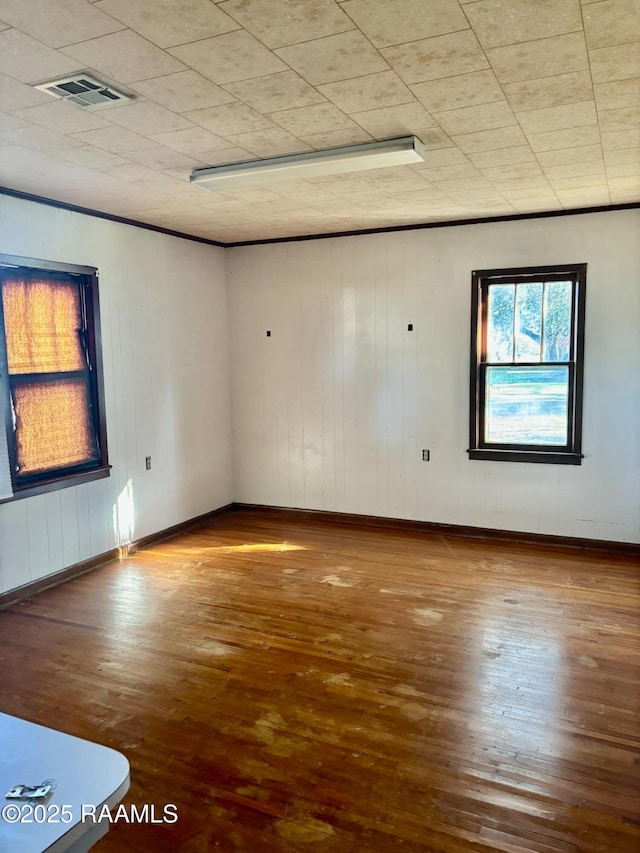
(333, 410)
(165, 349)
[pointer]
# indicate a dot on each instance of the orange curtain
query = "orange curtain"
(42, 321)
(53, 426)
(43, 325)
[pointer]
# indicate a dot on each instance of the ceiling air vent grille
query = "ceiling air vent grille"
(83, 90)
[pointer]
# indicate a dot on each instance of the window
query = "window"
(527, 343)
(51, 390)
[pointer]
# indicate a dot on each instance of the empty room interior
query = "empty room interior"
(319, 426)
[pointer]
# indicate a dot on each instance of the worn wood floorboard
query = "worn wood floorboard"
(320, 687)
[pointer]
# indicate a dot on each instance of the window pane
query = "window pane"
(527, 405)
(528, 321)
(500, 325)
(557, 321)
(53, 427)
(42, 323)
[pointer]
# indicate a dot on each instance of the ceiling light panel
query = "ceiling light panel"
(314, 164)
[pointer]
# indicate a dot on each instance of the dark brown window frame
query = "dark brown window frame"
(571, 453)
(87, 278)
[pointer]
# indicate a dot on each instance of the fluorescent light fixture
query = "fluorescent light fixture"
(312, 164)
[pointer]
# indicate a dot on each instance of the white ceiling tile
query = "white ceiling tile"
(549, 91)
(621, 93)
(283, 22)
(455, 171)
(272, 142)
(227, 119)
(63, 117)
(479, 187)
(195, 140)
(617, 196)
(579, 182)
(535, 59)
(502, 22)
(251, 195)
(482, 117)
(230, 57)
(401, 120)
(90, 157)
(561, 156)
(533, 184)
(441, 157)
(515, 170)
(11, 122)
(480, 203)
(163, 158)
(221, 156)
(282, 205)
(388, 22)
(625, 118)
(614, 63)
(566, 138)
(39, 138)
(631, 182)
(320, 118)
(134, 172)
(622, 155)
(312, 196)
(611, 22)
(620, 139)
(24, 162)
(442, 56)
(333, 58)
(183, 91)
(558, 118)
(167, 22)
(487, 140)
(285, 90)
(584, 197)
(342, 184)
(145, 117)
(384, 89)
(463, 90)
(393, 179)
(433, 137)
(623, 169)
(295, 188)
(625, 138)
(115, 139)
(29, 60)
(124, 56)
(15, 95)
(71, 21)
(502, 156)
(427, 197)
(535, 205)
(541, 193)
(337, 138)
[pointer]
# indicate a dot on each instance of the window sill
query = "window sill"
(546, 457)
(59, 483)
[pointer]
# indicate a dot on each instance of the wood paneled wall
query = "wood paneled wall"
(164, 334)
(333, 409)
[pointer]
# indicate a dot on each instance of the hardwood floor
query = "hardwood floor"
(323, 687)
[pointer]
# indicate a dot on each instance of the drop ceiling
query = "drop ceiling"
(523, 106)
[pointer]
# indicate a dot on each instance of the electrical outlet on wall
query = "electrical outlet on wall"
(426, 455)
(147, 462)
